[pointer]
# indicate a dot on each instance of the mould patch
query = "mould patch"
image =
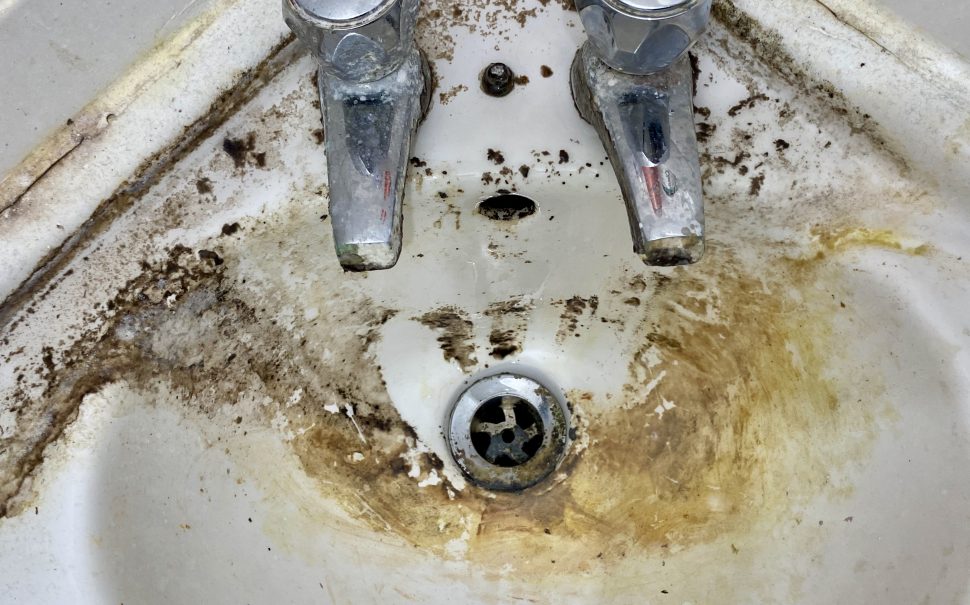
(455, 335)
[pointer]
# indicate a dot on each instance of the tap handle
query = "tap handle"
(643, 36)
(355, 40)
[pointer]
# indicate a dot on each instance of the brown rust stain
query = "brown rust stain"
(747, 103)
(505, 343)
(757, 182)
(751, 429)
(743, 368)
(203, 186)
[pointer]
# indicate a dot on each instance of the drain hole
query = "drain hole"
(507, 431)
(507, 207)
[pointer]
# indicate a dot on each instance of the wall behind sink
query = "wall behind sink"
(59, 55)
(946, 20)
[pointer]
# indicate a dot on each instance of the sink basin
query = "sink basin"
(199, 405)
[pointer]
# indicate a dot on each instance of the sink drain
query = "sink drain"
(508, 432)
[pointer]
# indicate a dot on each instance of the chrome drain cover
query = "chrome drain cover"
(508, 432)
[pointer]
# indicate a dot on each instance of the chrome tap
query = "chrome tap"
(633, 82)
(375, 87)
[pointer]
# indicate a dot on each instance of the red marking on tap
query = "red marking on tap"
(383, 215)
(387, 184)
(654, 188)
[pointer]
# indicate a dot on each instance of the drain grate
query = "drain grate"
(508, 432)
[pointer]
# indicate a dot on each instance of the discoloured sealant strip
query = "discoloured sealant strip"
(249, 83)
(770, 48)
(67, 387)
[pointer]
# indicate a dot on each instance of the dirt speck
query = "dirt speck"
(210, 256)
(747, 103)
(545, 71)
(756, 183)
(449, 95)
(243, 151)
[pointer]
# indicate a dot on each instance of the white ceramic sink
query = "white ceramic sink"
(198, 405)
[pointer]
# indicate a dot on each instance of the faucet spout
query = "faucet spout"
(375, 87)
(646, 123)
(368, 130)
(633, 82)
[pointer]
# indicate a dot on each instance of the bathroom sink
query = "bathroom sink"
(200, 405)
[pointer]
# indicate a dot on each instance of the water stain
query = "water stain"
(837, 240)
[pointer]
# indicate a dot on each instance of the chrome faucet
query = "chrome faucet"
(633, 82)
(375, 87)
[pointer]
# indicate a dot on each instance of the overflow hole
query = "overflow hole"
(507, 207)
